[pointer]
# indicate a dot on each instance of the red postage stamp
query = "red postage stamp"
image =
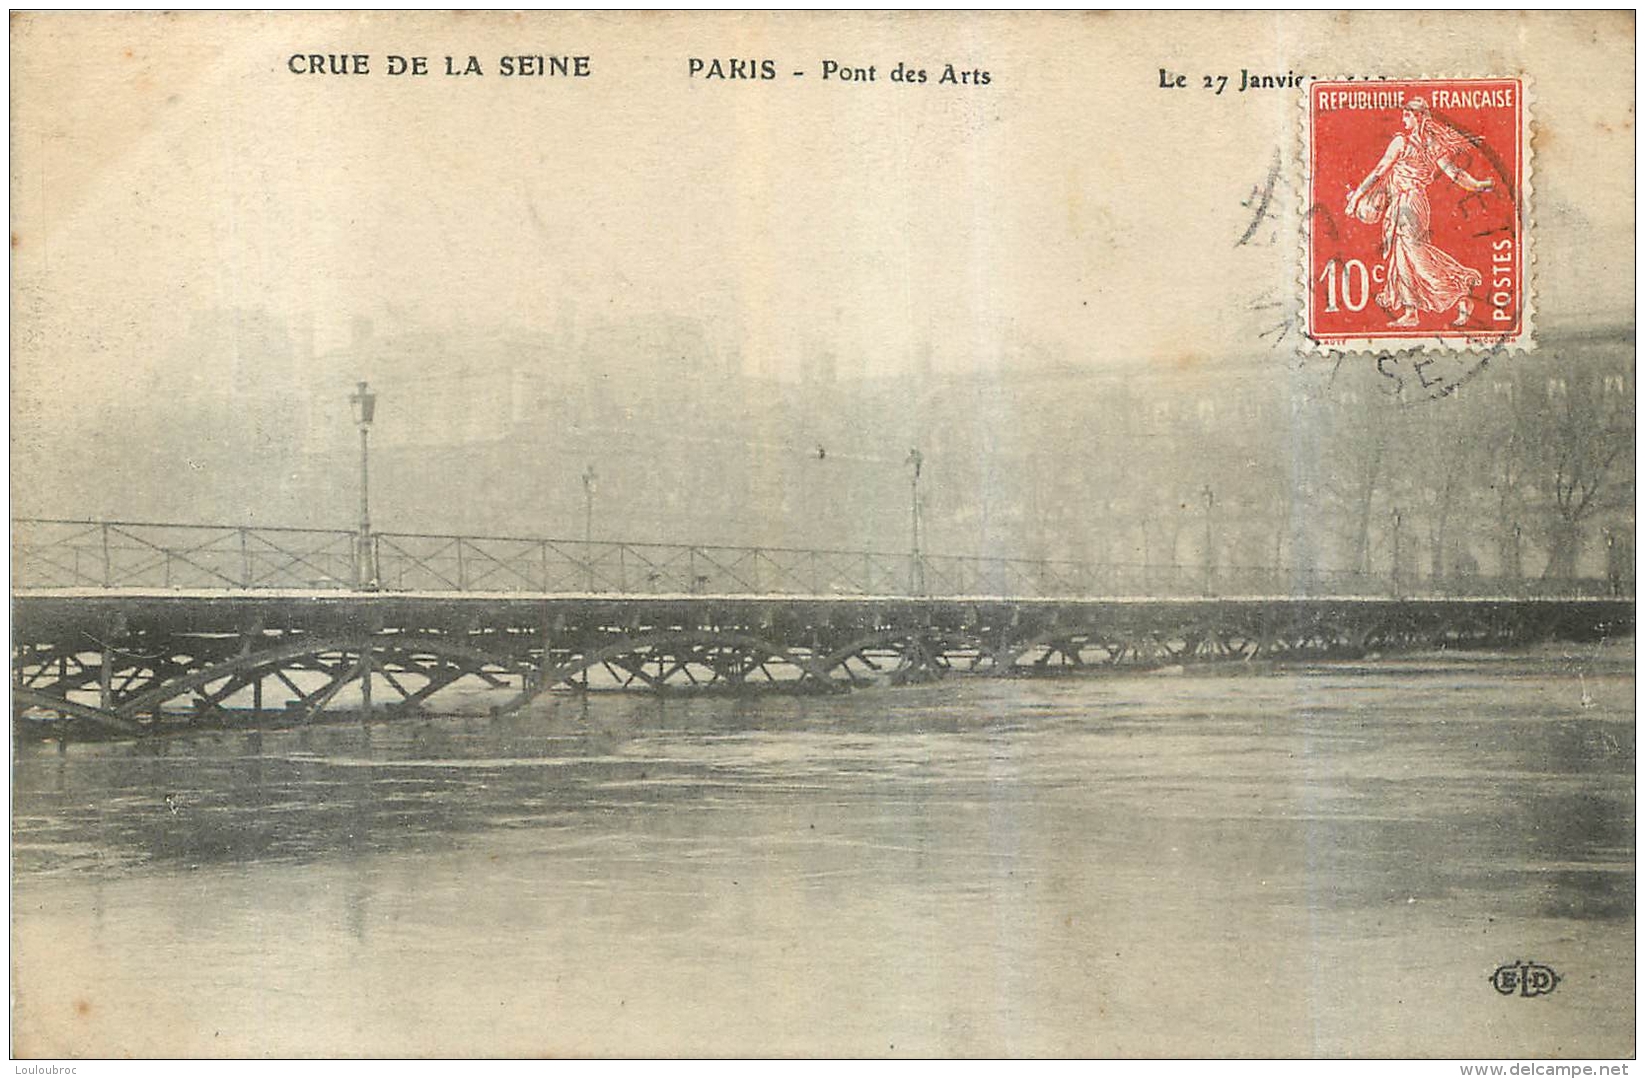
(1416, 221)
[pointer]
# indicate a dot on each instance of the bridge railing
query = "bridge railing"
(57, 553)
(128, 554)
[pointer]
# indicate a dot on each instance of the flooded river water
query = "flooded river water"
(1318, 860)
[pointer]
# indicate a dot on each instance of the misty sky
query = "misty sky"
(163, 165)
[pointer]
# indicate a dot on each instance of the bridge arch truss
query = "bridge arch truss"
(136, 662)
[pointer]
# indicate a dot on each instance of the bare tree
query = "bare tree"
(1585, 434)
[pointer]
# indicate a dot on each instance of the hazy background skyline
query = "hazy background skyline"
(190, 219)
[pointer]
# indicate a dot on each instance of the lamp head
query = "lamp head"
(365, 405)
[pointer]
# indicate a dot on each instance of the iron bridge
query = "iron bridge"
(126, 628)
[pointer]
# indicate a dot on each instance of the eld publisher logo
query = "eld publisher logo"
(1527, 979)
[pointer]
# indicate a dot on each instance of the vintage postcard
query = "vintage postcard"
(823, 534)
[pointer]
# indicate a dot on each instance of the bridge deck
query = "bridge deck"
(141, 659)
(130, 626)
(382, 596)
(203, 600)
(218, 610)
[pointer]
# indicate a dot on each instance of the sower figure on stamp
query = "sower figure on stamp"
(1418, 275)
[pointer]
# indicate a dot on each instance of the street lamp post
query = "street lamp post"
(1398, 520)
(916, 561)
(1210, 557)
(591, 483)
(365, 410)
(364, 403)
(1147, 553)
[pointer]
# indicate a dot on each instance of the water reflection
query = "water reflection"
(1075, 866)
